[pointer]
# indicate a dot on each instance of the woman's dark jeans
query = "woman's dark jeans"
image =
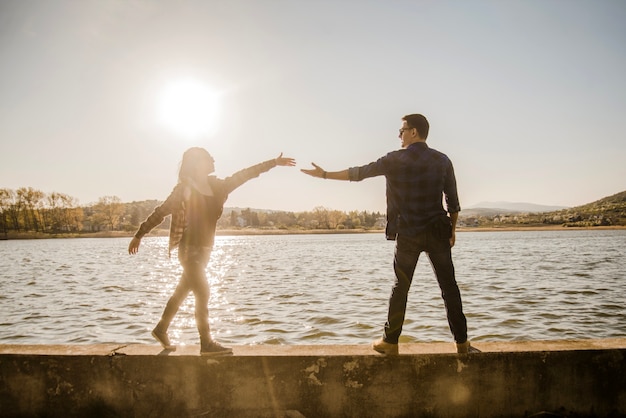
(408, 250)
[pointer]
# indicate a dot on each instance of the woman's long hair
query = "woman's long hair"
(191, 158)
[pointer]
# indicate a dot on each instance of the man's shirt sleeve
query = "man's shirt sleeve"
(450, 190)
(377, 168)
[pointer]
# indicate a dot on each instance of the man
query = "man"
(417, 179)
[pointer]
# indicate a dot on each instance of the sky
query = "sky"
(527, 98)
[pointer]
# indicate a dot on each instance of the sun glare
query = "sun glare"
(189, 108)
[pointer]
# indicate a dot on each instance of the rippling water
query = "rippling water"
(314, 289)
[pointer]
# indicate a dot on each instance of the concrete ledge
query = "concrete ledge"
(316, 350)
(508, 379)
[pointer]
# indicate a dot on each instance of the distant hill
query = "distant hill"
(608, 211)
(516, 207)
(485, 212)
(610, 203)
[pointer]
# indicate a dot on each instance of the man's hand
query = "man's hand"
(317, 171)
(133, 247)
(453, 219)
(285, 161)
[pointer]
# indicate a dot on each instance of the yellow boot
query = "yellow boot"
(384, 347)
(465, 348)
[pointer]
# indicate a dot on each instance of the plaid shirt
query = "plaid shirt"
(417, 178)
(176, 202)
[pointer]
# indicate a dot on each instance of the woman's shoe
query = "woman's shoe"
(163, 339)
(213, 348)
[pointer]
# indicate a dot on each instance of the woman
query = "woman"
(196, 203)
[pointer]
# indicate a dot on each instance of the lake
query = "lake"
(314, 289)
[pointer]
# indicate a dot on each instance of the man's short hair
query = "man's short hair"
(418, 122)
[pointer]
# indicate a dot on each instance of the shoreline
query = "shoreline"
(255, 231)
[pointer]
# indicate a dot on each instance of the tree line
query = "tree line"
(29, 210)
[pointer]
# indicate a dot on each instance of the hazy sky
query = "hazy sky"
(528, 98)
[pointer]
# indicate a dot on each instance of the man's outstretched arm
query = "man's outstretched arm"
(319, 172)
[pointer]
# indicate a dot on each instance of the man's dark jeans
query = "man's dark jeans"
(408, 250)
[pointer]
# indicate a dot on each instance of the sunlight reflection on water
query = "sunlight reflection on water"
(313, 289)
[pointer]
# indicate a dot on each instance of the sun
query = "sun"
(189, 108)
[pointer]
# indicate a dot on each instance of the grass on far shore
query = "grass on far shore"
(165, 233)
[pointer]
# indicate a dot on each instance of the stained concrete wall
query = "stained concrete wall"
(566, 378)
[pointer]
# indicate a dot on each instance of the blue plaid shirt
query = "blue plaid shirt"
(418, 178)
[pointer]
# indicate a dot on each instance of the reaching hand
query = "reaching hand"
(133, 247)
(285, 161)
(315, 172)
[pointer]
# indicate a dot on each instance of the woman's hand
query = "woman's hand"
(285, 161)
(133, 247)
